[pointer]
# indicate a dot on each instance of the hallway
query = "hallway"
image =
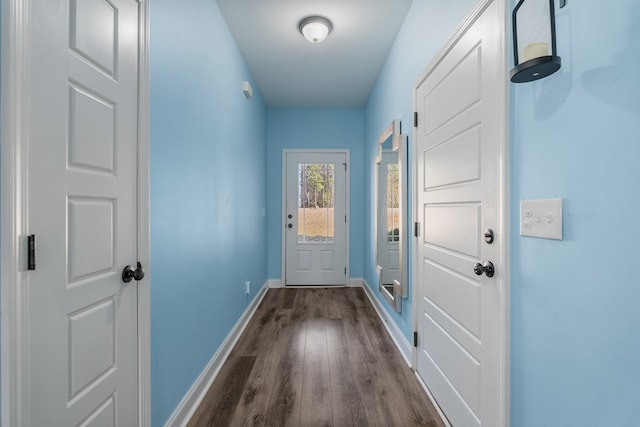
(203, 211)
(315, 357)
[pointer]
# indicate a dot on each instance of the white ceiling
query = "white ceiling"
(291, 72)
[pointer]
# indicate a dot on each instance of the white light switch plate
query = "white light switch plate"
(541, 218)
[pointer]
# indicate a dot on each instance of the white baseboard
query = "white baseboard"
(396, 334)
(196, 393)
(274, 283)
(356, 282)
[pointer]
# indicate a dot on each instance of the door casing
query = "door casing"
(14, 210)
(284, 206)
(502, 194)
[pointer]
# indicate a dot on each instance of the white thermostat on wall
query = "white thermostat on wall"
(247, 89)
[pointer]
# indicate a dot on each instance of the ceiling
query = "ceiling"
(292, 72)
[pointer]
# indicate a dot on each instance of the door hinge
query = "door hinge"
(345, 271)
(31, 252)
(345, 167)
(415, 119)
(345, 219)
(415, 338)
(416, 229)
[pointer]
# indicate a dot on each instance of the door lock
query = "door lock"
(487, 268)
(488, 235)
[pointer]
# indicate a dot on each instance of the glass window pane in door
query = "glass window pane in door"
(315, 202)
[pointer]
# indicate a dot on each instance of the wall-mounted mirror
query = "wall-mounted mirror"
(391, 214)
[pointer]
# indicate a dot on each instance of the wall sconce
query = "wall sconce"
(534, 41)
(315, 28)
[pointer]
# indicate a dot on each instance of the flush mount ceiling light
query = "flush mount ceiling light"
(315, 28)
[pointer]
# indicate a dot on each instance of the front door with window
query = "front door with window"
(315, 218)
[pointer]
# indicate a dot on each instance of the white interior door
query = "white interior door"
(459, 313)
(81, 328)
(315, 218)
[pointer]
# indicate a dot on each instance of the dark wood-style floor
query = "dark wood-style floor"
(315, 357)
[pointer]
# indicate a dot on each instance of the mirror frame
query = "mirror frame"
(399, 144)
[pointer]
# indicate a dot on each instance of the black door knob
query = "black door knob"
(129, 273)
(290, 225)
(139, 273)
(487, 268)
(478, 269)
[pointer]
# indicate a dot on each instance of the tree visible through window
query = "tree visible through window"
(316, 186)
(393, 203)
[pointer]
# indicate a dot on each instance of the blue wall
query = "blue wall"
(427, 27)
(574, 135)
(314, 128)
(208, 168)
(574, 303)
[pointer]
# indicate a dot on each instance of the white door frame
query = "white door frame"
(283, 208)
(503, 192)
(14, 209)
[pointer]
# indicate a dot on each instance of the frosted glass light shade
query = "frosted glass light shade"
(315, 28)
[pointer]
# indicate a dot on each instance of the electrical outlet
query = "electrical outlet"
(247, 287)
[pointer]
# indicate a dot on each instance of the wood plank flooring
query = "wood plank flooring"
(315, 357)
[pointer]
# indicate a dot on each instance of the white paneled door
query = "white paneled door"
(460, 305)
(81, 322)
(315, 218)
